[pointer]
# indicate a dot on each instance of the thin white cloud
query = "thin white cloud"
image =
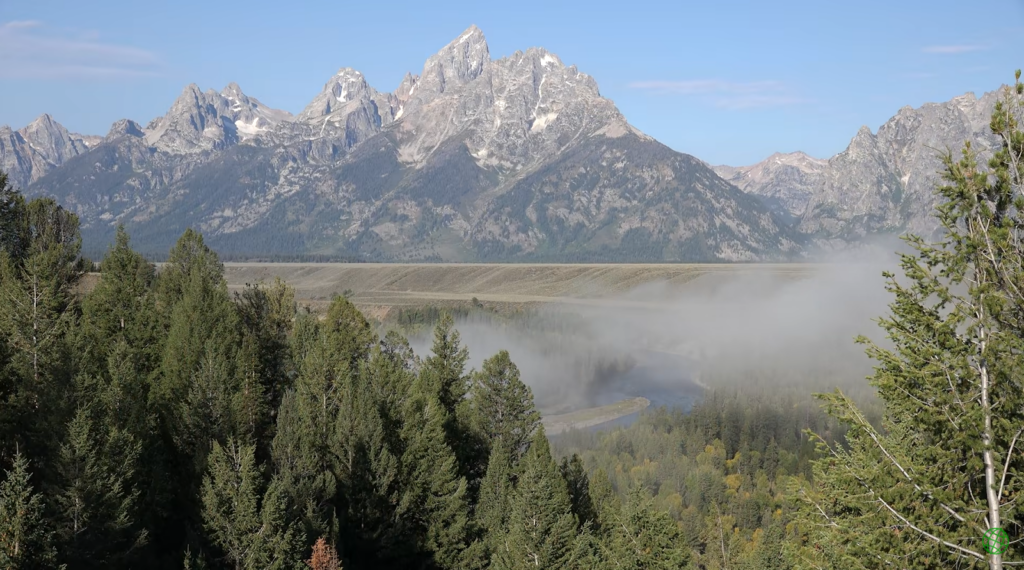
(954, 49)
(759, 101)
(31, 50)
(705, 86)
(726, 94)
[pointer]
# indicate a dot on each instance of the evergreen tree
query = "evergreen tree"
(122, 308)
(13, 228)
(245, 522)
(350, 333)
(644, 538)
(37, 317)
(502, 406)
(541, 527)
(578, 483)
(944, 467)
(606, 504)
(192, 391)
(266, 316)
(432, 489)
(25, 542)
(496, 491)
(189, 260)
(95, 498)
(202, 319)
(305, 447)
(445, 370)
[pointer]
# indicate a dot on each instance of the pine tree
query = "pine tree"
(445, 369)
(496, 489)
(190, 259)
(122, 308)
(606, 504)
(267, 315)
(350, 334)
(575, 475)
(502, 406)
(243, 521)
(541, 527)
(645, 538)
(25, 541)
(37, 316)
(13, 228)
(946, 464)
(202, 318)
(305, 444)
(95, 496)
(445, 372)
(433, 494)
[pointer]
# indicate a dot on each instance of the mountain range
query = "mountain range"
(473, 159)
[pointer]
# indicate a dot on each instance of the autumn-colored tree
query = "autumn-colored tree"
(324, 556)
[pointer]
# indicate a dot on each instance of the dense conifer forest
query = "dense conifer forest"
(157, 421)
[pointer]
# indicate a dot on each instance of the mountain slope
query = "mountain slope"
(474, 158)
(883, 182)
(28, 154)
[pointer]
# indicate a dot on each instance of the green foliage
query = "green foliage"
(502, 405)
(122, 308)
(644, 538)
(541, 529)
(943, 467)
(25, 540)
(246, 521)
(96, 500)
(578, 483)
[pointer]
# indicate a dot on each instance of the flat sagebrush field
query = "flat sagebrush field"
(383, 284)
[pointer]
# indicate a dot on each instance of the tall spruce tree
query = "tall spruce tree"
(266, 316)
(121, 308)
(245, 518)
(435, 493)
(575, 475)
(644, 538)
(502, 405)
(26, 541)
(38, 313)
(95, 498)
(541, 529)
(946, 465)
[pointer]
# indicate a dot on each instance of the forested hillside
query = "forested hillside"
(157, 421)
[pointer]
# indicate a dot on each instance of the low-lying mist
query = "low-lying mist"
(730, 327)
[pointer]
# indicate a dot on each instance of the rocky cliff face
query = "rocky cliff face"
(29, 153)
(786, 181)
(883, 182)
(474, 158)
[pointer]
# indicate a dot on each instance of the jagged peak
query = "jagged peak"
(125, 127)
(459, 62)
(43, 124)
(44, 119)
(232, 90)
(472, 34)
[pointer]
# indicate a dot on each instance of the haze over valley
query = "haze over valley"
(475, 314)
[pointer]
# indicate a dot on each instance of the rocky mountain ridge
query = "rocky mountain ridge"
(883, 182)
(472, 159)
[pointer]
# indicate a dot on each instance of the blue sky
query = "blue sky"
(728, 81)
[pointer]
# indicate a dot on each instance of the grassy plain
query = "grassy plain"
(379, 286)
